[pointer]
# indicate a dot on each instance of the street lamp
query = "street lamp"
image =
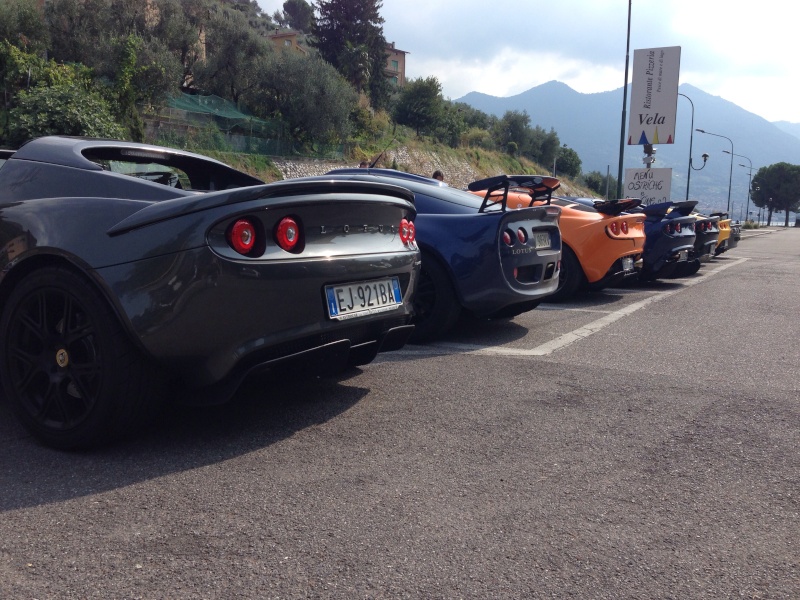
(730, 177)
(749, 177)
(691, 135)
(624, 105)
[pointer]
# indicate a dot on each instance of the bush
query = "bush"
(62, 109)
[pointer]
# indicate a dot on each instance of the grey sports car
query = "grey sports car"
(124, 267)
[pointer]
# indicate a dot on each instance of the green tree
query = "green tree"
(309, 95)
(599, 183)
(343, 25)
(298, 14)
(777, 188)
(475, 118)
(22, 24)
(513, 128)
(420, 105)
(63, 109)
(567, 161)
(235, 57)
(79, 30)
(450, 126)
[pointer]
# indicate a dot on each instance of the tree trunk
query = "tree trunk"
(769, 217)
(786, 221)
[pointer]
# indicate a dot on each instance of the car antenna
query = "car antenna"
(375, 162)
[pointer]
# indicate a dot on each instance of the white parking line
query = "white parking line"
(574, 335)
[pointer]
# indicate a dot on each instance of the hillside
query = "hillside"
(460, 166)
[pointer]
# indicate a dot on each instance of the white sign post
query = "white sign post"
(651, 186)
(654, 95)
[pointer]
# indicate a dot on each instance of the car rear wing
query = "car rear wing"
(612, 208)
(539, 187)
(658, 211)
(684, 208)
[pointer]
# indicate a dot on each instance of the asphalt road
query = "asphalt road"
(643, 443)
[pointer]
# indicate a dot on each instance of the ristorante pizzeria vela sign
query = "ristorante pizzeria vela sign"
(654, 95)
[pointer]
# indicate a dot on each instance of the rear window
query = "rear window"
(149, 171)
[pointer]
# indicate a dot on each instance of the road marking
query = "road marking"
(574, 335)
(560, 307)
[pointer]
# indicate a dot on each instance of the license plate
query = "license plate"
(351, 300)
(541, 239)
(683, 256)
(627, 264)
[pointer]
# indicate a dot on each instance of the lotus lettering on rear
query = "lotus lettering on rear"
(365, 228)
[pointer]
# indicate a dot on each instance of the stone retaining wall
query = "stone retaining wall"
(457, 173)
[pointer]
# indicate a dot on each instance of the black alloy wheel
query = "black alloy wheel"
(570, 277)
(436, 307)
(68, 369)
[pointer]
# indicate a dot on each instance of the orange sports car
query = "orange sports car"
(600, 246)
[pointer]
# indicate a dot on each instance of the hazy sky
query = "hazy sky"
(747, 54)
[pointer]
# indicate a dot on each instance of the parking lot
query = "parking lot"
(641, 442)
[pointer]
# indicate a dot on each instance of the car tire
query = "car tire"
(570, 278)
(70, 373)
(436, 307)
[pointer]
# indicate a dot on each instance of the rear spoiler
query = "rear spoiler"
(657, 210)
(684, 208)
(538, 186)
(613, 208)
(721, 215)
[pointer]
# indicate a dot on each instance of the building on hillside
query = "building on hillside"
(286, 40)
(395, 65)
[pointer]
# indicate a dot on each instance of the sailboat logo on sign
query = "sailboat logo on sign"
(654, 96)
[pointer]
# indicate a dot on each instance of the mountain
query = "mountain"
(793, 128)
(590, 125)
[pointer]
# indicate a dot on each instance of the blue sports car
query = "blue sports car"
(669, 238)
(478, 257)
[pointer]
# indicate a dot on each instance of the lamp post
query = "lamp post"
(624, 105)
(691, 136)
(730, 177)
(749, 175)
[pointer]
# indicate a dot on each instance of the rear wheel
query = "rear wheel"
(436, 307)
(68, 369)
(570, 278)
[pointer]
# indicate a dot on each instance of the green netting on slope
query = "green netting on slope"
(212, 105)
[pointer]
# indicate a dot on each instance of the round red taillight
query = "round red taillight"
(614, 227)
(242, 236)
(522, 236)
(404, 231)
(668, 228)
(509, 241)
(678, 227)
(412, 232)
(287, 233)
(624, 227)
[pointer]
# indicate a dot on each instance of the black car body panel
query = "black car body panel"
(159, 253)
(706, 231)
(466, 236)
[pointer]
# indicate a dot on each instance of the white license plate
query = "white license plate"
(541, 239)
(627, 264)
(351, 300)
(683, 256)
